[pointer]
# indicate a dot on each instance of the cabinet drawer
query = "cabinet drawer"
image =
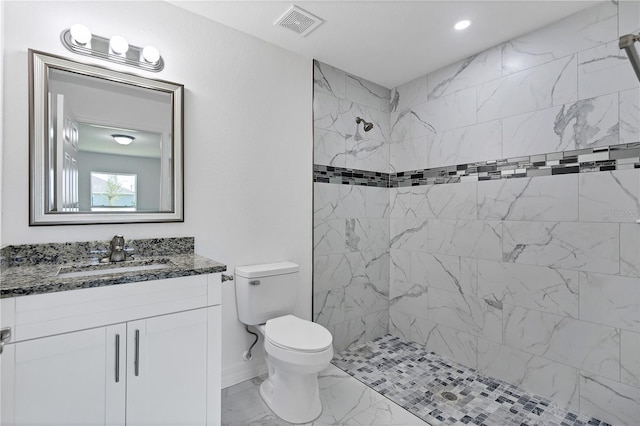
(62, 312)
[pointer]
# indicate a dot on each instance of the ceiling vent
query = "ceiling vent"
(299, 21)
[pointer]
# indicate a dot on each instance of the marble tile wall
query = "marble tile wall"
(351, 207)
(534, 280)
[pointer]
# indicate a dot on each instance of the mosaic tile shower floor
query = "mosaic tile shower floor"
(419, 381)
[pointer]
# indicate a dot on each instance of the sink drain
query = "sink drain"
(449, 396)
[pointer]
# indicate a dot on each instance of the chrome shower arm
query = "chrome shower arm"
(626, 42)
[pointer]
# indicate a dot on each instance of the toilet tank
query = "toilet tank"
(266, 291)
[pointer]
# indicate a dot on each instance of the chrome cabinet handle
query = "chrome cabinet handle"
(137, 355)
(117, 358)
(5, 336)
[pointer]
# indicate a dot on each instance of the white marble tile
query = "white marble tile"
(585, 246)
(630, 358)
(365, 298)
(469, 275)
(400, 267)
(608, 400)
(367, 154)
(347, 333)
(329, 148)
(629, 116)
(380, 120)
(329, 307)
(384, 413)
(629, 250)
(326, 201)
(610, 300)
(346, 400)
(400, 323)
(577, 32)
(376, 266)
(465, 313)
(533, 133)
(532, 287)
(445, 113)
(540, 376)
(328, 236)
(612, 196)
(333, 271)
(329, 80)
(367, 93)
(539, 198)
(604, 69)
(409, 94)
(352, 201)
(439, 271)
(446, 201)
(331, 376)
(410, 154)
(457, 345)
(408, 234)
(326, 113)
(580, 344)
(543, 86)
(400, 202)
(377, 202)
(466, 144)
(366, 234)
(470, 72)
(408, 298)
(400, 126)
(246, 407)
(628, 17)
(469, 238)
(376, 324)
(587, 123)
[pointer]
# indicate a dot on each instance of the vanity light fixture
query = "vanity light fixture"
(78, 39)
(123, 139)
(461, 25)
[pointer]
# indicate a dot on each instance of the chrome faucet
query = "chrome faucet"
(117, 253)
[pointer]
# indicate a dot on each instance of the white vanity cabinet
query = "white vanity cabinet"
(136, 354)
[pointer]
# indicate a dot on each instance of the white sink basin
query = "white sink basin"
(108, 269)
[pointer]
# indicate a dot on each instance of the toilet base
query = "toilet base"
(292, 397)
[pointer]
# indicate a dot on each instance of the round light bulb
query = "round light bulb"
(118, 45)
(80, 34)
(151, 54)
(461, 25)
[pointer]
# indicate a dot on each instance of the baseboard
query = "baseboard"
(242, 371)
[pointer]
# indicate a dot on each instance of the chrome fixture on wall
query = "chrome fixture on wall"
(626, 42)
(366, 125)
(79, 39)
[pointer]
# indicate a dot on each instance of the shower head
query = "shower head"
(626, 42)
(367, 125)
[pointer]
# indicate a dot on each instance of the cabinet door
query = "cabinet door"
(167, 370)
(63, 380)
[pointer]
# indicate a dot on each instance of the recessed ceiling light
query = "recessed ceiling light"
(461, 25)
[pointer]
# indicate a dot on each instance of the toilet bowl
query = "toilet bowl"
(297, 350)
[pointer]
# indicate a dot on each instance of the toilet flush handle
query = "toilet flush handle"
(254, 282)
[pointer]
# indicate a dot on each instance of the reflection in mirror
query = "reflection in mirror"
(106, 146)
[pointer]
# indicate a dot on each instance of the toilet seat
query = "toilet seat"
(294, 334)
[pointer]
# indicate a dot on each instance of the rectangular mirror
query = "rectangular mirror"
(106, 146)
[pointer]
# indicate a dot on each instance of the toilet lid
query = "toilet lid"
(290, 332)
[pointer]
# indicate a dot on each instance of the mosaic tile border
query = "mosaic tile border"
(600, 159)
(441, 391)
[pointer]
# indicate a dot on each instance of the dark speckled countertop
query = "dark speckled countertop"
(33, 269)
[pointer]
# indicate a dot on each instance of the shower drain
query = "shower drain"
(449, 396)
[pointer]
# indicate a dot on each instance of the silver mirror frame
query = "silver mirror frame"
(39, 65)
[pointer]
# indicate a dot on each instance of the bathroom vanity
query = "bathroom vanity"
(140, 347)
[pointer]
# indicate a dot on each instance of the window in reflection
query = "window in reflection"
(113, 192)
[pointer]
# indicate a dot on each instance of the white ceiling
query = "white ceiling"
(389, 42)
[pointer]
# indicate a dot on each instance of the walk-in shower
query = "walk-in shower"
(626, 42)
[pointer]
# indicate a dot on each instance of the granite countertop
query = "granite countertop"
(42, 277)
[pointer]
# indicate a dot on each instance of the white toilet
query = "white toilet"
(297, 350)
